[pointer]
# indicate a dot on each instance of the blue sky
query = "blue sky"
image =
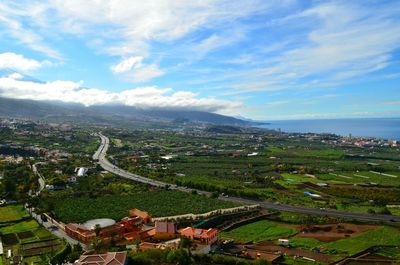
(258, 59)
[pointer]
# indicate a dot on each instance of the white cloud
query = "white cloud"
(337, 42)
(134, 69)
(137, 22)
(11, 17)
(144, 97)
(9, 60)
(127, 64)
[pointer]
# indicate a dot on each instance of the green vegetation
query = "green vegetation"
(157, 203)
(265, 165)
(259, 231)
(388, 236)
(385, 236)
(25, 237)
(182, 256)
(391, 252)
(20, 227)
(12, 213)
(17, 180)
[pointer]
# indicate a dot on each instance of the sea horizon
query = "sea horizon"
(383, 128)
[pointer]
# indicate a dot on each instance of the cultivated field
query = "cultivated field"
(157, 203)
(259, 231)
(12, 213)
(25, 237)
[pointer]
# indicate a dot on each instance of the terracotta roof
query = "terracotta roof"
(148, 245)
(111, 258)
(165, 227)
(198, 232)
(149, 232)
(139, 213)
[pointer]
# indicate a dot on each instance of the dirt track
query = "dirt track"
(269, 247)
(333, 232)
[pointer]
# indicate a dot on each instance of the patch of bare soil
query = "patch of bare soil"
(333, 232)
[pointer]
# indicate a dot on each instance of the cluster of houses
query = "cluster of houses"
(139, 227)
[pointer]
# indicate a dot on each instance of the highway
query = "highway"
(106, 165)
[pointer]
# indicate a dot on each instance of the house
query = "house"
(200, 236)
(164, 230)
(130, 224)
(72, 179)
(148, 245)
(82, 172)
(172, 244)
(144, 216)
(80, 232)
(110, 258)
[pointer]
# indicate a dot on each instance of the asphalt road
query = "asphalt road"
(40, 178)
(105, 164)
(52, 228)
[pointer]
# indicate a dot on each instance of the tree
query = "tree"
(97, 229)
(97, 244)
(179, 256)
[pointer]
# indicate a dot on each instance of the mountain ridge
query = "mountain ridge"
(61, 111)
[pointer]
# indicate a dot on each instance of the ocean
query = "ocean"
(385, 128)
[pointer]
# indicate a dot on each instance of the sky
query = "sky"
(264, 60)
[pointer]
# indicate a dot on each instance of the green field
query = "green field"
(345, 247)
(281, 171)
(12, 213)
(26, 234)
(259, 231)
(385, 236)
(159, 203)
(20, 227)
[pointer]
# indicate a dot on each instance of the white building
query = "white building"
(81, 172)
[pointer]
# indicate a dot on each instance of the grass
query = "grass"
(42, 233)
(17, 226)
(395, 211)
(388, 236)
(12, 213)
(20, 227)
(289, 260)
(390, 252)
(259, 231)
(385, 236)
(160, 203)
(301, 242)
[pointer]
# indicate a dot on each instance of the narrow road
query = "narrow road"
(106, 165)
(55, 230)
(40, 178)
(48, 225)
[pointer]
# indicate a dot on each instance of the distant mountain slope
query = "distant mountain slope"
(60, 111)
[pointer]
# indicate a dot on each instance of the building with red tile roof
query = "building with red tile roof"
(200, 236)
(144, 216)
(130, 224)
(110, 258)
(80, 232)
(164, 230)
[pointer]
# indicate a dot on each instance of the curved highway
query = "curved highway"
(106, 165)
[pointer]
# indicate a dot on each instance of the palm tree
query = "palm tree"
(97, 244)
(97, 229)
